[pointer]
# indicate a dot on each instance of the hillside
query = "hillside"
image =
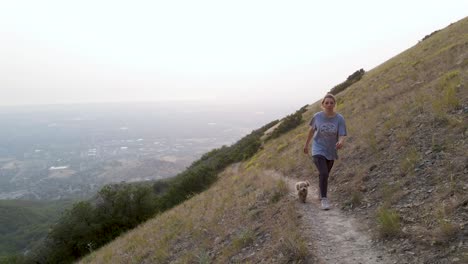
(406, 151)
(245, 215)
(24, 223)
(403, 175)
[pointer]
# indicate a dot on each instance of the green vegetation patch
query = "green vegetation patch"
(353, 78)
(447, 86)
(288, 123)
(23, 223)
(388, 222)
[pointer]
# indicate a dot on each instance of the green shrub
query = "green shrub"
(448, 100)
(353, 78)
(288, 123)
(388, 222)
(203, 258)
(430, 35)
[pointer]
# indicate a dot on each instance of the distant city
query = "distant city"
(70, 152)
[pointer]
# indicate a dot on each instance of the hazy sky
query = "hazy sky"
(289, 52)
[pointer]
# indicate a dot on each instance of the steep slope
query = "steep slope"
(404, 170)
(402, 175)
(245, 217)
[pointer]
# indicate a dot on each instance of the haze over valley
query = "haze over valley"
(71, 151)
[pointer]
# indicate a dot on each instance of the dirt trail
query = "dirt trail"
(334, 237)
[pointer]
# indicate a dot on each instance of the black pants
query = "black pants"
(324, 167)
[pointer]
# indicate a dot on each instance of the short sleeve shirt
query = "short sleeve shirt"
(327, 132)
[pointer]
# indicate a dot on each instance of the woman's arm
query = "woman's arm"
(309, 137)
(341, 132)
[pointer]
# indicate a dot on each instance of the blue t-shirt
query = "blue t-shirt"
(327, 131)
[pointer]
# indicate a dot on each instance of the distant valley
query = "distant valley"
(70, 151)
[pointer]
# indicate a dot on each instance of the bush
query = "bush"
(353, 78)
(389, 222)
(430, 35)
(288, 123)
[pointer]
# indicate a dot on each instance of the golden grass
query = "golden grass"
(446, 230)
(410, 160)
(220, 225)
(447, 85)
(391, 193)
(292, 245)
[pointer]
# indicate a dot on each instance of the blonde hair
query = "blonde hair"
(329, 95)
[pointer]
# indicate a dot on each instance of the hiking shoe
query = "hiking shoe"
(325, 205)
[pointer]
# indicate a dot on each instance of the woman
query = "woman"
(328, 130)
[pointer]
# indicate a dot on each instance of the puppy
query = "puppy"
(301, 188)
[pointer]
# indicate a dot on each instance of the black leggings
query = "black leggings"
(324, 167)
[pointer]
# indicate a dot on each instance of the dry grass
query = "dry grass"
(445, 229)
(292, 245)
(225, 224)
(356, 198)
(448, 86)
(409, 161)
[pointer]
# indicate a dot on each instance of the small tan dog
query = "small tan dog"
(301, 188)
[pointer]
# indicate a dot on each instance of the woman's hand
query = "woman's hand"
(309, 138)
(339, 144)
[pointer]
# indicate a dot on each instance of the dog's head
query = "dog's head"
(302, 185)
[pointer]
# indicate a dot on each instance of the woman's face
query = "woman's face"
(328, 104)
